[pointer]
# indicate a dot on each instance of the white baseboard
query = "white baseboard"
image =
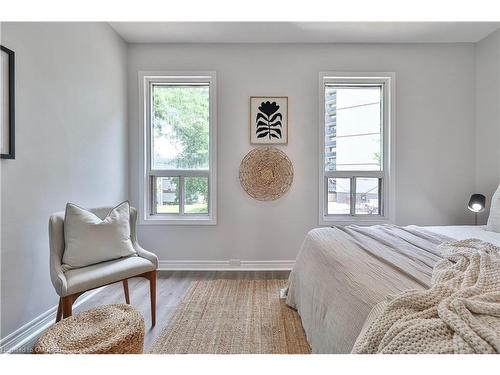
(225, 265)
(22, 339)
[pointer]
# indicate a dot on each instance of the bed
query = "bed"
(341, 273)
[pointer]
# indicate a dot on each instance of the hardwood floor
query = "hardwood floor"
(171, 288)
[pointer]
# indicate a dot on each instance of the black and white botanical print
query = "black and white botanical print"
(268, 120)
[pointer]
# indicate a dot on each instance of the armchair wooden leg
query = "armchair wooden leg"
(67, 306)
(152, 292)
(59, 310)
(125, 290)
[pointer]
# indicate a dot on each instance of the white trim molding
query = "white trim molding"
(146, 216)
(226, 265)
(23, 338)
(387, 189)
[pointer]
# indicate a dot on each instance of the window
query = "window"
(179, 148)
(355, 163)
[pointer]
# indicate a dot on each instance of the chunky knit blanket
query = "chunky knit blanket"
(460, 313)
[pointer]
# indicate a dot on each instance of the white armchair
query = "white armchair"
(69, 285)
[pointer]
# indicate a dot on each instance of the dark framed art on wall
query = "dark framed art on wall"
(7, 103)
(269, 120)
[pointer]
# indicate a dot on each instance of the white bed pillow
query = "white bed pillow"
(90, 239)
(493, 224)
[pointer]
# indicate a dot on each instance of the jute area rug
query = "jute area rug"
(233, 317)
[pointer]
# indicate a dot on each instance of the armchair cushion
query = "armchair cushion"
(91, 240)
(94, 276)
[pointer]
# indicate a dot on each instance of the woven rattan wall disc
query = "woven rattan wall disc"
(266, 173)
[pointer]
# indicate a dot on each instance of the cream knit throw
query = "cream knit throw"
(460, 313)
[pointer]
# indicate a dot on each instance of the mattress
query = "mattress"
(462, 232)
(341, 273)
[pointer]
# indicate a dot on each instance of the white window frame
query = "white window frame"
(387, 193)
(146, 191)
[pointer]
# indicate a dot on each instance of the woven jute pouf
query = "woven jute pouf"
(113, 329)
(266, 173)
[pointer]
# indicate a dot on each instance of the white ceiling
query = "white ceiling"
(303, 32)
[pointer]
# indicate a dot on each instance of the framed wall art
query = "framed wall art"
(7, 103)
(269, 120)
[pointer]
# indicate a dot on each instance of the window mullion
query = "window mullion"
(325, 184)
(381, 202)
(209, 208)
(182, 192)
(152, 189)
(353, 196)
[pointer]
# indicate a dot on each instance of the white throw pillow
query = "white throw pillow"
(493, 224)
(90, 239)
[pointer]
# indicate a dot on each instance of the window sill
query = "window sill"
(180, 220)
(350, 220)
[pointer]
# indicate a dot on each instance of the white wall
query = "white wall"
(72, 142)
(71, 136)
(434, 125)
(488, 116)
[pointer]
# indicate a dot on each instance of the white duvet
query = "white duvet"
(463, 232)
(341, 273)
